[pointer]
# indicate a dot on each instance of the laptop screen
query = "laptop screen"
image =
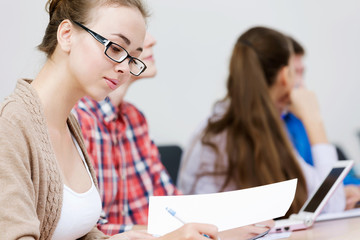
(323, 189)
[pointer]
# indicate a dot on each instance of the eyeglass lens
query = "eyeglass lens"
(119, 54)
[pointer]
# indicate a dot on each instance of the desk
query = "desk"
(341, 229)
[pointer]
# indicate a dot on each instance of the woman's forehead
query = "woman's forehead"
(119, 23)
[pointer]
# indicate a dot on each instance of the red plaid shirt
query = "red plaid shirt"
(126, 161)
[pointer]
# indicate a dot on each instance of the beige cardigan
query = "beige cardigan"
(31, 188)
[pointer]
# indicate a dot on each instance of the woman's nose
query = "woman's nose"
(123, 67)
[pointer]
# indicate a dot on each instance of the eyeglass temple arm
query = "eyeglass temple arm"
(98, 37)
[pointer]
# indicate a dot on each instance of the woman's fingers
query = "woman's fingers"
(132, 235)
(193, 231)
(204, 231)
(268, 223)
(246, 232)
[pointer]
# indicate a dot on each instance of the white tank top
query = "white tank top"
(80, 211)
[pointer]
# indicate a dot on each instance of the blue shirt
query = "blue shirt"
(300, 140)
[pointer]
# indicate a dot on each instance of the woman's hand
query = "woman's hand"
(192, 231)
(246, 232)
(139, 227)
(305, 106)
(132, 235)
(352, 193)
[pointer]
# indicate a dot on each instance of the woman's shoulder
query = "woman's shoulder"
(13, 111)
(21, 117)
(21, 103)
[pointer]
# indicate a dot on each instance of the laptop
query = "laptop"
(313, 206)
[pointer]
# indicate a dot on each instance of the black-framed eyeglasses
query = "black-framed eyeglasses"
(116, 52)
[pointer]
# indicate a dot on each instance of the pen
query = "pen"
(173, 213)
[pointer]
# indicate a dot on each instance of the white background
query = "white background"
(194, 42)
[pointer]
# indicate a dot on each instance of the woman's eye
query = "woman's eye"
(115, 48)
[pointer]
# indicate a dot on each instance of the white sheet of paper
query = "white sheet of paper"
(226, 210)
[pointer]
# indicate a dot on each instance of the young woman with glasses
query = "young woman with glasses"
(48, 186)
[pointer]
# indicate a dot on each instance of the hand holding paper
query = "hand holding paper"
(226, 210)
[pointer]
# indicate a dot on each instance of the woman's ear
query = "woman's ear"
(64, 33)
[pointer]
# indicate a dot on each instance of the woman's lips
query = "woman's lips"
(112, 83)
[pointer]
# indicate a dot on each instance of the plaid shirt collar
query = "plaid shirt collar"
(109, 111)
(106, 110)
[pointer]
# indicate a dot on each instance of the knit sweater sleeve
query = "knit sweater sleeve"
(95, 233)
(18, 214)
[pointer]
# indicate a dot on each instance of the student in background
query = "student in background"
(244, 143)
(298, 132)
(295, 128)
(48, 186)
(127, 161)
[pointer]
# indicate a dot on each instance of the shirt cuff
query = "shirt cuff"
(324, 155)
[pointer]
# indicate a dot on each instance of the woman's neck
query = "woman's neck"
(56, 92)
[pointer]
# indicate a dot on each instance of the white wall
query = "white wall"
(195, 38)
(22, 25)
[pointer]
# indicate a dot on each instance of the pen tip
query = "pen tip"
(172, 212)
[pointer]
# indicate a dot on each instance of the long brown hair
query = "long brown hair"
(257, 147)
(79, 11)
